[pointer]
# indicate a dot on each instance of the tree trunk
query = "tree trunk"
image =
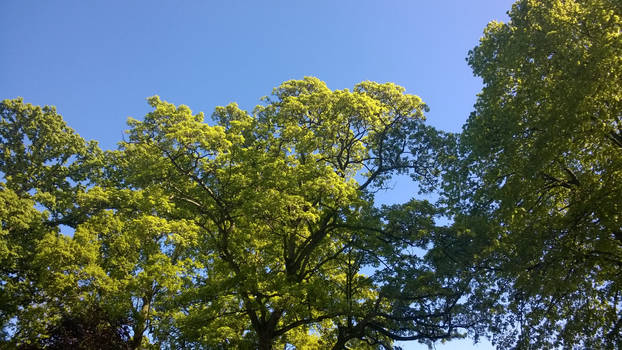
(139, 328)
(265, 342)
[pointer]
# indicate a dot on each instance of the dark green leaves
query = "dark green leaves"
(542, 169)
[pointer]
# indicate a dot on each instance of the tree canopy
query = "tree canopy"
(252, 231)
(259, 230)
(540, 180)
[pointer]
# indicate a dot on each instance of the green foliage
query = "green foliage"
(44, 166)
(540, 183)
(259, 230)
(252, 231)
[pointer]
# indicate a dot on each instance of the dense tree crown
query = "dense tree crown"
(540, 182)
(250, 231)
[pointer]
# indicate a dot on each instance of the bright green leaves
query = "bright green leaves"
(44, 166)
(376, 128)
(276, 197)
(248, 232)
(19, 221)
(41, 157)
(123, 260)
(21, 228)
(251, 230)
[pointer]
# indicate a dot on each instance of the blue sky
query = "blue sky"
(98, 61)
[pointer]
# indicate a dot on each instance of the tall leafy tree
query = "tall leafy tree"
(283, 199)
(103, 285)
(540, 183)
(44, 166)
(257, 230)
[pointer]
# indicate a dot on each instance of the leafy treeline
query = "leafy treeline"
(259, 230)
(539, 182)
(250, 232)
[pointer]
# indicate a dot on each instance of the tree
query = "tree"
(44, 166)
(285, 225)
(51, 284)
(539, 184)
(255, 231)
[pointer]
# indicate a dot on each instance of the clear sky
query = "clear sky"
(97, 61)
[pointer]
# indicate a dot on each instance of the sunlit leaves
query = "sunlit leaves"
(250, 231)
